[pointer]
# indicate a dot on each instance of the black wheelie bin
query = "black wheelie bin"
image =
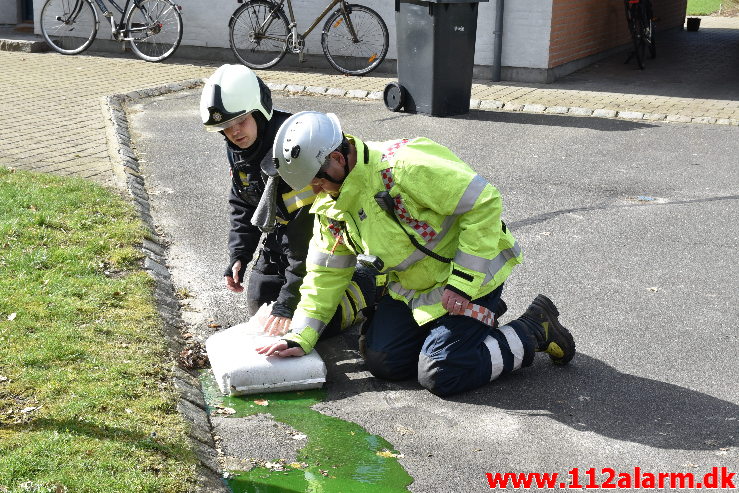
(436, 51)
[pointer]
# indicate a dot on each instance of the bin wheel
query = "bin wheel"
(394, 96)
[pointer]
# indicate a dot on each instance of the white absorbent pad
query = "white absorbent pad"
(239, 369)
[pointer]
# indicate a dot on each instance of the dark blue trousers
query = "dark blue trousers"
(448, 355)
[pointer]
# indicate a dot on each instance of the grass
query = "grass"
(85, 399)
(707, 7)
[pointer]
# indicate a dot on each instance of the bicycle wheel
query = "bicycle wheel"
(154, 29)
(640, 41)
(649, 35)
(258, 33)
(634, 20)
(69, 26)
(355, 56)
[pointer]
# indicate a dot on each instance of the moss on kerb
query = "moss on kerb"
(339, 457)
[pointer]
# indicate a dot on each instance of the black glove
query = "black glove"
(242, 271)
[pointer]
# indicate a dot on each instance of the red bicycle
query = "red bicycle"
(640, 18)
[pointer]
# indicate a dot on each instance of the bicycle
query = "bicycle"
(641, 25)
(152, 27)
(354, 38)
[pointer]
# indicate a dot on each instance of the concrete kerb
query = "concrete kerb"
(191, 402)
(512, 106)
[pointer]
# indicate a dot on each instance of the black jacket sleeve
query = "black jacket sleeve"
(295, 247)
(243, 239)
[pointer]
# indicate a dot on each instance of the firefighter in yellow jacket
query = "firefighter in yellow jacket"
(432, 229)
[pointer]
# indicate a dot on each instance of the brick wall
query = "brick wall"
(585, 27)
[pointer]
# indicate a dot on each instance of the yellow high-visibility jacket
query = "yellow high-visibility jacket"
(450, 209)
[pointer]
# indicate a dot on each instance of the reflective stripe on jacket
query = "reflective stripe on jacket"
(438, 199)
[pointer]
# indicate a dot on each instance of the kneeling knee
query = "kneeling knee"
(432, 377)
(378, 364)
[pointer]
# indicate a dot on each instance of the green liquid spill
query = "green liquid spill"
(340, 457)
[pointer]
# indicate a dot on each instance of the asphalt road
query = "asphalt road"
(630, 227)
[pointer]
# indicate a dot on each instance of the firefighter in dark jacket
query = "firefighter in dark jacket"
(237, 103)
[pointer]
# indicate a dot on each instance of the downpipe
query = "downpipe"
(498, 40)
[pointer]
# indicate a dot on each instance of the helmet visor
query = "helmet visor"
(223, 125)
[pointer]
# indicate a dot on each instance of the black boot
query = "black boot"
(551, 336)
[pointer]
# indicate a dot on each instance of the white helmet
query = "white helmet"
(232, 91)
(302, 144)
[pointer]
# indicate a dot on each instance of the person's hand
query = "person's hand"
(280, 350)
(277, 326)
(453, 302)
(233, 283)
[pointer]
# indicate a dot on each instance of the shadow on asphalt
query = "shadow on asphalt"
(549, 120)
(587, 395)
(552, 120)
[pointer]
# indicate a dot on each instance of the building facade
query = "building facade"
(541, 39)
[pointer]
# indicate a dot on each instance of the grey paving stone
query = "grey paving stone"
(534, 108)
(208, 456)
(158, 269)
(198, 418)
(154, 247)
(491, 104)
(356, 93)
(211, 482)
(601, 113)
(513, 106)
(631, 115)
(316, 89)
(557, 110)
(678, 119)
(655, 117)
(576, 110)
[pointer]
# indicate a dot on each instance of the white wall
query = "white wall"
(526, 28)
(208, 26)
(8, 11)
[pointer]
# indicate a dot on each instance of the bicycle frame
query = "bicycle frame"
(117, 31)
(294, 25)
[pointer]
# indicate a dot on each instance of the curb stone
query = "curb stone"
(534, 108)
(578, 111)
(356, 93)
(601, 113)
(630, 115)
(24, 46)
(316, 90)
(678, 119)
(513, 107)
(191, 402)
(491, 104)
